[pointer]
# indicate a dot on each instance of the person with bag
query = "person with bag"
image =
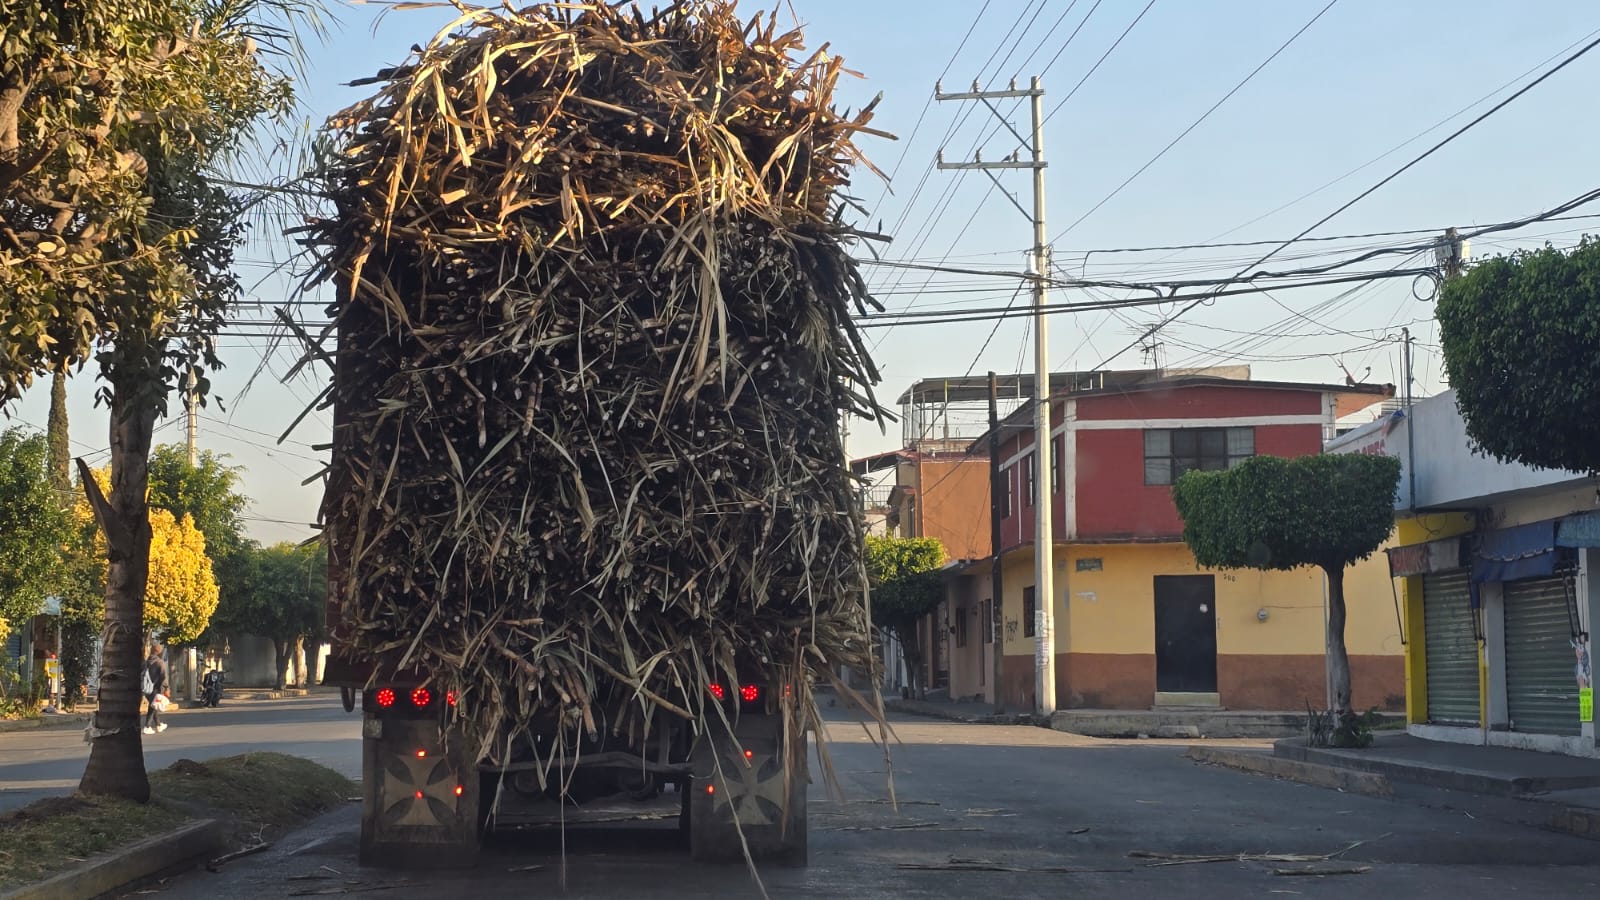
(154, 685)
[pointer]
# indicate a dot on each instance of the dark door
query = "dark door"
(1186, 634)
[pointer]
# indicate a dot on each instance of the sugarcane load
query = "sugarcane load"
(591, 531)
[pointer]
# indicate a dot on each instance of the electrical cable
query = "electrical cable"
(1197, 122)
(1392, 176)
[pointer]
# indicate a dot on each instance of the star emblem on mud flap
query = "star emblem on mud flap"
(419, 791)
(753, 787)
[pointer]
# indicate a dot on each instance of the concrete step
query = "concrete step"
(1180, 723)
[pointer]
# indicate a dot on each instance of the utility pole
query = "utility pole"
(996, 582)
(1044, 522)
(191, 408)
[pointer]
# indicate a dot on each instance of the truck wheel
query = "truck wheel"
(738, 790)
(347, 696)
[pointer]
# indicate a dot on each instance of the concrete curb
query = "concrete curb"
(937, 711)
(66, 720)
(1367, 783)
(1451, 778)
(124, 867)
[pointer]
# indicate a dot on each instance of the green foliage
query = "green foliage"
(1274, 513)
(281, 595)
(1519, 336)
(33, 526)
(905, 580)
(208, 493)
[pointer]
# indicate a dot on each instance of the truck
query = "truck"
(590, 531)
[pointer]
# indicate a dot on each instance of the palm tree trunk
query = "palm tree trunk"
(1338, 658)
(116, 752)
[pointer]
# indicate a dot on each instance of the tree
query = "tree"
(282, 597)
(906, 588)
(116, 246)
(1272, 513)
(1519, 336)
(207, 492)
(32, 527)
(181, 591)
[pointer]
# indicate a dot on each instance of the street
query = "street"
(1015, 796)
(46, 761)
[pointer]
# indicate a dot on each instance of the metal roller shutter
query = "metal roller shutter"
(1541, 688)
(1452, 649)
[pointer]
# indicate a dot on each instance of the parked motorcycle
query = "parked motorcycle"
(211, 687)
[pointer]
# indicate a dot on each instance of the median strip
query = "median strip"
(86, 846)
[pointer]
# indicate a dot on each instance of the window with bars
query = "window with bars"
(1030, 478)
(1029, 613)
(961, 626)
(1170, 452)
(1007, 498)
(1055, 464)
(986, 625)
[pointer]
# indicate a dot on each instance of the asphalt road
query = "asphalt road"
(45, 761)
(1019, 797)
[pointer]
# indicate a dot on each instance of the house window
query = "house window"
(1170, 452)
(961, 626)
(1030, 469)
(1055, 464)
(1006, 498)
(986, 626)
(1028, 613)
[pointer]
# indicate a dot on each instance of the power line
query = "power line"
(1369, 191)
(1096, 66)
(1196, 123)
(1407, 142)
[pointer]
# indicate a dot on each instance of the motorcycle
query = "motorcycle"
(211, 688)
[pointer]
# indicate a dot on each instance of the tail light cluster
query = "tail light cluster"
(401, 700)
(748, 693)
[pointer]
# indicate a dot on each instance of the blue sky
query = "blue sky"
(1361, 80)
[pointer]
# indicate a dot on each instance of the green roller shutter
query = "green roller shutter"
(1452, 649)
(1541, 688)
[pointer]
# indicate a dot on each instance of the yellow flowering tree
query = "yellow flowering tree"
(181, 593)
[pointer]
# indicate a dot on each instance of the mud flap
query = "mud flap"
(419, 796)
(738, 788)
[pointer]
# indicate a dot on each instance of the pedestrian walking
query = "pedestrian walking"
(154, 683)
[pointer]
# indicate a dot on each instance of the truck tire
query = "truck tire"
(420, 795)
(736, 798)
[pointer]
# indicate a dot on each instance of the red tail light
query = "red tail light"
(384, 697)
(420, 697)
(750, 693)
(450, 697)
(718, 692)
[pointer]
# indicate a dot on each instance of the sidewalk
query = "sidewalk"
(77, 718)
(1462, 767)
(975, 713)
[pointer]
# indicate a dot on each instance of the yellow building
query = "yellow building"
(1268, 626)
(1136, 622)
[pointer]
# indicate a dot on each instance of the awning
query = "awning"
(1582, 530)
(1512, 554)
(1427, 558)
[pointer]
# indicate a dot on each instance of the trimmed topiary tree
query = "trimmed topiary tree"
(1274, 513)
(1519, 334)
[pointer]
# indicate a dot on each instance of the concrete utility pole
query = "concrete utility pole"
(193, 415)
(996, 582)
(1043, 539)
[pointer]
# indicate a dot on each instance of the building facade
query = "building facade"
(1494, 565)
(1137, 622)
